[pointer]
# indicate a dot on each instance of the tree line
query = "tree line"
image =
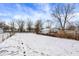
(60, 13)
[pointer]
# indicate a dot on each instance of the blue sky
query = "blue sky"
(12, 11)
(33, 11)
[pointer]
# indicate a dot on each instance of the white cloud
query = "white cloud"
(75, 17)
(43, 12)
(19, 16)
(5, 14)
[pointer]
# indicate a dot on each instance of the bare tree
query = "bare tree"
(2, 24)
(77, 24)
(49, 25)
(71, 27)
(12, 24)
(63, 13)
(38, 26)
(20, 24)
(29, 25)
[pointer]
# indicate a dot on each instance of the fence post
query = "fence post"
(76, 34)
(3, 37)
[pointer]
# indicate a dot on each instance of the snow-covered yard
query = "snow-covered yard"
(30, 44)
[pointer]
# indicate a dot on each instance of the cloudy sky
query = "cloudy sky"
(33, 11)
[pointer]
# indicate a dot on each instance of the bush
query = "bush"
(63, 34)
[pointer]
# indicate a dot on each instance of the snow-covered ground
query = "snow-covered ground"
(29, 44)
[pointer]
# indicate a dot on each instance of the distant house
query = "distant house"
(1, 30)
(45, 31)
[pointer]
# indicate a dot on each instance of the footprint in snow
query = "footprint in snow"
(35, 51)
(42, 53)
(22, 43)
(3, 51)
(23, 47)
(24, 53)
